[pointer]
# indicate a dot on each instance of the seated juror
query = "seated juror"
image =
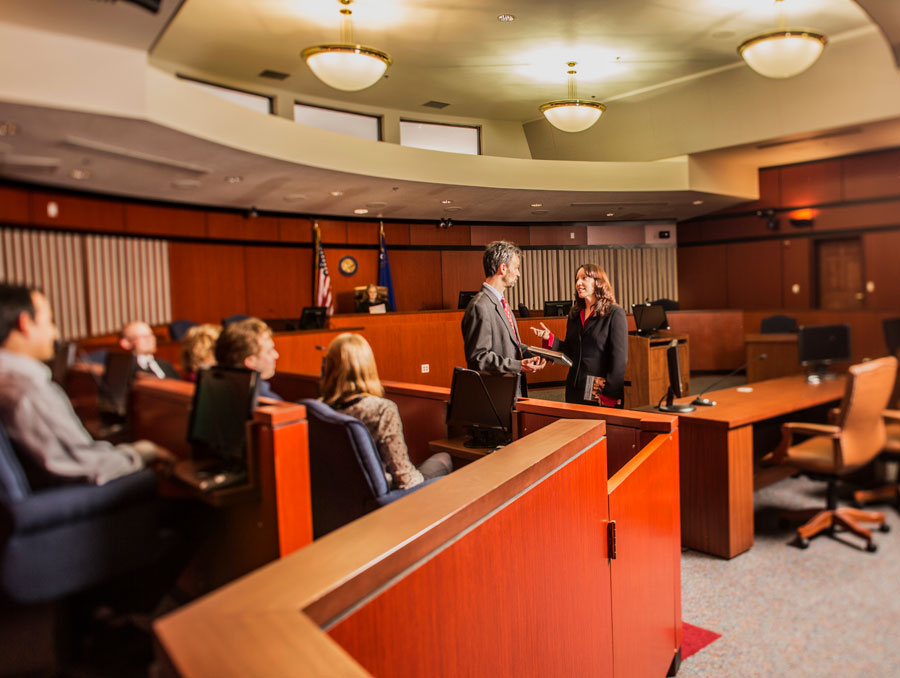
(248, 343)
(350, 384)
(137, 337)
(36, 412)
(198, 349)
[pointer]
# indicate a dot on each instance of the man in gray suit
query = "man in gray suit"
(489, 330)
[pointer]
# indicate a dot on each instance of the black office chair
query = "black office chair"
(346, 477)
(778, 324)
(524, 311)
(667, 304)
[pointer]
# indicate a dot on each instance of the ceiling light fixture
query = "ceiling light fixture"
(360, 210)
(572, 114)
(537, 204)
(782, 53)
(336, 194)
(346, 65)
(506, 17)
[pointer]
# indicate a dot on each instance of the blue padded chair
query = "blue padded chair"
(178, 328)
(65, 539)
(778, 324)
(346, 477)
(236, 318)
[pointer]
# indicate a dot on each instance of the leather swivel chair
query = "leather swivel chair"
(346, 477)
(778, 324)
(67, 538)
(834, 450)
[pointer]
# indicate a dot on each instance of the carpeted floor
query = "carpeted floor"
(831, 610)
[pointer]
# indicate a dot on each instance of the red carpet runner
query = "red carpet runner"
(694, 639)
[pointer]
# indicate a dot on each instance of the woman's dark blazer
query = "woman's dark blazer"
(599, 349)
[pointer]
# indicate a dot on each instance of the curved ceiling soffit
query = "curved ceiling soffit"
(886, 15)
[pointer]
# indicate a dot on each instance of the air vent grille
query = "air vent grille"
(274, 75)
(435, 104)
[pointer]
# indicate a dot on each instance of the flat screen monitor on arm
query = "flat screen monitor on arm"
(820, 345)
(483, 403)
(675, 389)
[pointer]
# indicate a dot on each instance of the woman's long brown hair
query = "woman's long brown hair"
(602, 290)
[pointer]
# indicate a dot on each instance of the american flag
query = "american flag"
(323, 280)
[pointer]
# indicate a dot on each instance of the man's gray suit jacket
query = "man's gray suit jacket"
(489, 341)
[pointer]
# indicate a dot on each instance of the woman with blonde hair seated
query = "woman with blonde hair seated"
(198, 349)
(350, 384)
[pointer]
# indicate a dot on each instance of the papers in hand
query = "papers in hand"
(552, 356)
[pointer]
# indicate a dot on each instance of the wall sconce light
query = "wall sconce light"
(802, 218)
(771, 220)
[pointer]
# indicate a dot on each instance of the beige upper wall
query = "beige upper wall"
(854, 82)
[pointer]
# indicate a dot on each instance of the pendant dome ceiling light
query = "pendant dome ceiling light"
(572, 114)
(782, 53)
(346, 65)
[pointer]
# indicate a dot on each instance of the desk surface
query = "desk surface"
(767, 400)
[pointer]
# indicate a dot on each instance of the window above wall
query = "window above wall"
(255, 102)
(343, 122)
(441, 137)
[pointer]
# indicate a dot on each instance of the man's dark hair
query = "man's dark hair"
(499, 252)
(13, 300)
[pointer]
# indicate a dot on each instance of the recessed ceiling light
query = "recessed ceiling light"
(610, 214)
(80, 173)
(8, 128)
(337, 194)
(360, 210)
(506, 17)
(186, 183)
(454, 208)
(234, 179)
(294, 197)
(697, 202)
(446, 202)
(537, 204)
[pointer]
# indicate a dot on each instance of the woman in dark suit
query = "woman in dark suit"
(596, 341)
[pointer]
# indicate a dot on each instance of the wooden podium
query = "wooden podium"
(646, 374)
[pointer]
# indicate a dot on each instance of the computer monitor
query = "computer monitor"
(892, 335)
(557, 308)
(649, 318)
(465, 298)
(224, 399)
(820, 345)
(483, 403)
(675, 389)
(118, 373)
(282, 324)
(313, 317)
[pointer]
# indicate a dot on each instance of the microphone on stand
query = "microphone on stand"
(700, 400)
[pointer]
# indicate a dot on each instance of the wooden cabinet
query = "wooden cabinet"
(781, 359)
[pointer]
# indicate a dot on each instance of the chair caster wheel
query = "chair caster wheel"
(871, 547)
(884, 527)
(801, 542)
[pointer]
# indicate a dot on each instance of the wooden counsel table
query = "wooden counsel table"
(717, 458)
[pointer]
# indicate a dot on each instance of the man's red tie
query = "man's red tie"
(512, 323)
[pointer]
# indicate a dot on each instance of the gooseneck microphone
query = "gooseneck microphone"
(700, 400)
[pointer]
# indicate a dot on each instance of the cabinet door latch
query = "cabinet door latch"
(611, 539)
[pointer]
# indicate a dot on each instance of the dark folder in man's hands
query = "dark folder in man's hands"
(552, 356)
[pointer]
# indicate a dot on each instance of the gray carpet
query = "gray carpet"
(829, 610)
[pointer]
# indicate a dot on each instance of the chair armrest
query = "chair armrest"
(73, 503)
(394, 495)
(834, 415)
(788, 430)
(892, 415)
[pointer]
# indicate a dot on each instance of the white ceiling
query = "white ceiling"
(453, 51)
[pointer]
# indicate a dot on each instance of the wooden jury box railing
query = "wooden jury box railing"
(505, 567)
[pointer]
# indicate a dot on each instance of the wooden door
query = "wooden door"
(839, 268)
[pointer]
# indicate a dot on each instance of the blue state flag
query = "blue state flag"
(384, 272)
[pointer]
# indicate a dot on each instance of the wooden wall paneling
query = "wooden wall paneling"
(871, 175)
(754, 273)
(460, 271)
(298, 354)
(279, 280)
(333, 232)
(415, 275)
(400, 355)
(882, 270)
(716, 338)
(342, 285)
(396, 234)
(797, 274)
(362, 233)
(811, 183)
(13, 205)
(844, 217)
(156, 220)
(238, 226)
(207, 281)
(701, 277)
(559, 548)
(646, 574)
(82, 213)
(746, 226)
(690, 231)
(482, 235)
(563, 234)
(430, 234)
(294, 229)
